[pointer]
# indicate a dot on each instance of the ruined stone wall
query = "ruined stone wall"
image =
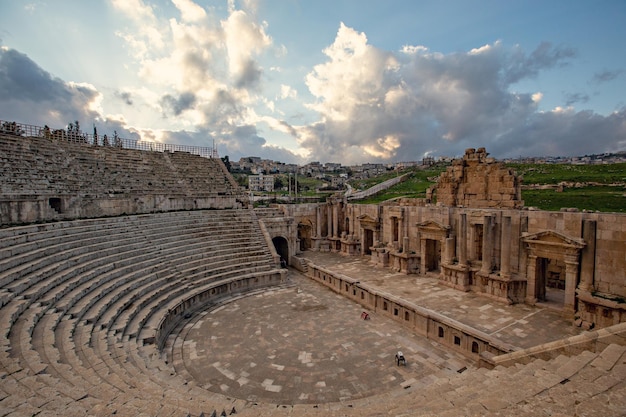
(479, 181)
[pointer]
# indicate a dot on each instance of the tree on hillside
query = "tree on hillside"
(226, 162)
(278, 182)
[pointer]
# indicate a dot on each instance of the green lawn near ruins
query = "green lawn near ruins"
(545, 186)
(585, 187)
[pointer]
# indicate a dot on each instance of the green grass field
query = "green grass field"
(609, 199)
(556, 173)
(596, 197)
(414, 187)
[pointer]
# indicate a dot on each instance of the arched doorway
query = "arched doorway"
(282, 247)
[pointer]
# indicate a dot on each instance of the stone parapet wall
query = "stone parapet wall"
(594, 341)
(430, 324)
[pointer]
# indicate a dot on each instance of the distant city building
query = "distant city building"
(337, 182)
(332, 166)
(261, 182)
(428, 161)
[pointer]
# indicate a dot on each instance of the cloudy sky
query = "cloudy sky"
(349, 81)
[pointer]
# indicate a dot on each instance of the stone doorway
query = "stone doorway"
(553, 262)
(282, 247)
(304, 236)
(432, 254)
(550, 282)
(368, 241)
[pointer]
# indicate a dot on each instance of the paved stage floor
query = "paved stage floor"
(519, 325)
(305, 344)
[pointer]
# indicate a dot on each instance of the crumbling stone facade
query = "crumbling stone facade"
(479, 238)
(479, 181)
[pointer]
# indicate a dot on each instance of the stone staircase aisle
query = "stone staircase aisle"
(589, 383)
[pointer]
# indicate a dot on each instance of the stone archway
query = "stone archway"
(282, 247)
(549, 247)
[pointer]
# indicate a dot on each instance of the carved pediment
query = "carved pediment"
(553, 238)
(431, 229)
(367, 221)
(433, 226)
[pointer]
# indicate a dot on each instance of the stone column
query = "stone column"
(487, 245)
(531, 279)
(588, 256)
(571, 276)
(522, 247)
(362, 245)
(319, 221)
(351, 221)
(335, 220)
(463, 240)
(329, 220)
(402, 232)
(505, 248)
(449, 245)
(423, 256)
(405, 244)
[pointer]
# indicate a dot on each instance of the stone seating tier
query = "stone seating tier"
(59, 311)
(54, 180)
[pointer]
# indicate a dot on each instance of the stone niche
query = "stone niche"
(477, 181)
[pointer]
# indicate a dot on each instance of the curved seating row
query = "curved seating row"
(81, 302)
(31, 164)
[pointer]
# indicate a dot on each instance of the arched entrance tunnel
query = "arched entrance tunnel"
(282, 247)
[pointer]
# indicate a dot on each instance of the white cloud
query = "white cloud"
(287, 92)
(244, 40)
(398, 106)
(201, 77)
(148, 35)
(189, 10)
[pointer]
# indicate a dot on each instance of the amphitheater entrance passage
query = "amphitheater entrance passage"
(553, 268)
(282, 247)
(56, 204)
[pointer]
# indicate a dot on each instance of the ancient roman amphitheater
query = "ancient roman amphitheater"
(142, 283)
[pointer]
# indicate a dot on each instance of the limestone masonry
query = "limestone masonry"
(122, 273)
